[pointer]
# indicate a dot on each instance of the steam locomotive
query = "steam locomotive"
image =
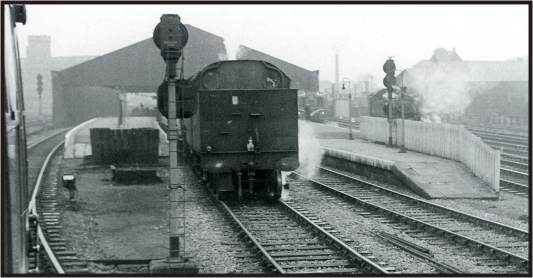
(378, 106)
(243, 127)
(314, 108)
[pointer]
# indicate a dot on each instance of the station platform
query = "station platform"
(430, 176)
(78, 140)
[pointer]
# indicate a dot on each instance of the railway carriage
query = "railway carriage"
(15, 196)
(244, 128)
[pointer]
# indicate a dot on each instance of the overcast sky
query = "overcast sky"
(306, 35)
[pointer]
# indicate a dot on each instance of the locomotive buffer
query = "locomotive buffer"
(170, 35)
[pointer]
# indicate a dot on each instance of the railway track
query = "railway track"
(516, 133)
(509, 148)
(512, 187)
(516, 164)
(38, 148)
(343, 216)
(509, 138)
(498, 246)
(52, 254)
(514, 159)
(514, 174)
(290, 242)
(512, 145)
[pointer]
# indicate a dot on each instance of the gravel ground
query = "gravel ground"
(510, 209)
(130, 222)
(339, 214)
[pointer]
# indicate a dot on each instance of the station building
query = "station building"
(92, 88)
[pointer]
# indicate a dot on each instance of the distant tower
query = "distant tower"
(337, 85)
(39, 48)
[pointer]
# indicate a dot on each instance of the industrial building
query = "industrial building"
(39, 60)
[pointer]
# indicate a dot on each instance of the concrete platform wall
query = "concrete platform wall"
(444, 140)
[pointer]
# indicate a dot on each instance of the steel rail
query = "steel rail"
(524, 262)
(507, 146)
(519, 232)
(502, 131)
(520, 136)
(510, 138)
(49, 252)
(520, 158)
(514, 173)
(506, 162)
(32, 209)
(510, 151)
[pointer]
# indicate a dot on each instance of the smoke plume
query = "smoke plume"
(444, 88)
(309, 150)
(233, 50)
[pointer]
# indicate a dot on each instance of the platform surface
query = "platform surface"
(438, 177)
(78, 141)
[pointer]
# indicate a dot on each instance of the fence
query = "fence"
(125, 146)
(444, 140)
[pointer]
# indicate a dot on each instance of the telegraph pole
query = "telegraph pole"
(402, 92)
(171, 36)
(349, 105)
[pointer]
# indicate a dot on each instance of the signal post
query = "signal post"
(171, 36)
(390, 80)
(40, 93)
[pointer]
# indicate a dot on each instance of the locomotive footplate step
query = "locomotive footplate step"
(173, 266)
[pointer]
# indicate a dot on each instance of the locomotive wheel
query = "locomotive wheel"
(275, 185)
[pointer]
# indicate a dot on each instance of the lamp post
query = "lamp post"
(349, 104)
(120, 100)
(403, 89)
